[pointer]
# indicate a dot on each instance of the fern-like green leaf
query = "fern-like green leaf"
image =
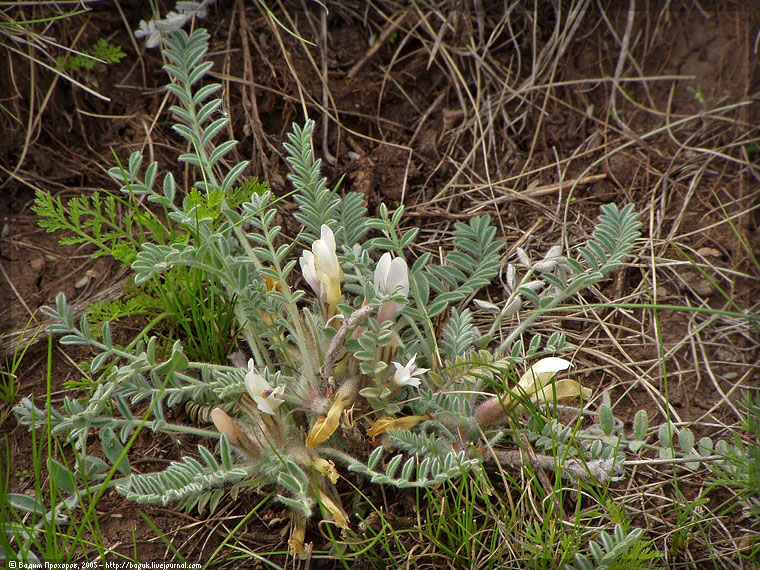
(419, 472)
(459, 334)
(182, 479)
(317, 204)
(473, 264)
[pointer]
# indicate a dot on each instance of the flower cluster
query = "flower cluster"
(265, 425)
(321, 270)
(324, 377)
(334, 396)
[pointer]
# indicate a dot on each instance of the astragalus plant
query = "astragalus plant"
(357, 356)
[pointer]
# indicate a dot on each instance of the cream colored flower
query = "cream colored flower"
(538, 385)
(310, 274)
(327, 267)
(267, 398)
(391, 278)
(407, 375)
(541, 372)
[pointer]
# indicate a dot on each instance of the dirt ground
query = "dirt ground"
(419, 119)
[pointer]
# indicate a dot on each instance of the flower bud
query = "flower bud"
(327, 267)
(237, 435)
(391, 278)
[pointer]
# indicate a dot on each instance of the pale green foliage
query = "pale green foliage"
(740, 466)
(184, 478)
(198, 112)
(472, 264)
(608, 439)
(555, 278)
(417, 472)
(620, 550)
(459, 334)
(193, 295)
(317, 205)
(239, 245)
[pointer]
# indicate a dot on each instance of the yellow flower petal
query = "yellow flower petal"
(336, 511)
(325, 427)
(565, 388)
(297, 534)
(272, 284)
(385, 423)
(327, 467)
(319, 433)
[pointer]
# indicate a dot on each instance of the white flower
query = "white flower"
(198, 9)
(407, 375)
(390, 275)
(310, 274)
(327, 266)
(391, 278)
(267, 398)
(539, 385)
(541, 372)
(321, 269)
(173, 21)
